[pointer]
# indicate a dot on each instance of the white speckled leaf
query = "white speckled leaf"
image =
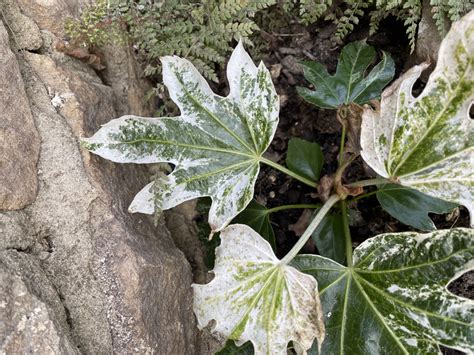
(427, 142)
(215, 144)
(395, 299)
(255, 297)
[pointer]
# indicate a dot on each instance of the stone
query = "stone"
(25, 33)
(120, 284)
(125, 76)
(33, 321)
(19, 141)
(15, 231)
(292, 64)
(428, 38)
(50, 14)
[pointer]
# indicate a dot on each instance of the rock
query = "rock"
(25, 32)
(15, 231)
(19, 143)
(120, 284)
(33, 321)
(50, 14)
(292, 64)
(428, 38)
(125, 77)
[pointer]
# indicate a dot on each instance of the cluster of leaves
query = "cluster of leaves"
(390, 294)
(200, 31)
(347, 16)
(94, 28)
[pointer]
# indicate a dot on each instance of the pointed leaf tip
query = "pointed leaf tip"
(254, 297)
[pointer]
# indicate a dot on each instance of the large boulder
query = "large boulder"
(89, 277)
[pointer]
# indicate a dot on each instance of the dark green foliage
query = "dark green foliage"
(329, 238)
(200, 31)
(410, 206)
(350, 82)
(348, 14)
(231, 349)
(305, 158)
(256, 216)
(95, 27)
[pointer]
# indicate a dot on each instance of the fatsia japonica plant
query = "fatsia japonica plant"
(389, 295)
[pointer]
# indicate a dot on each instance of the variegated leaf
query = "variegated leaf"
(255, 297)
(394, 300)
(216, 144)
(427, 142)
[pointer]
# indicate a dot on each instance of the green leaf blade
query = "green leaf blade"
(353, 62)
(326, 96)
(427, 142)
(254, 297)
(305, 158)
(216, 144)
(410, 206)
(376, 80)
(350, 82)
(231, 348)
(395, 298)
(257, 217)
(329, 238)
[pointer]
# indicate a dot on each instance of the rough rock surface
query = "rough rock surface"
(19, 143)
(26, 33)
(87, 276)
(37, 323)
(428, 38)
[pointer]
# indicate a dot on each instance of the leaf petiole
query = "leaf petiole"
(311, 228)
(360, 197)
(370, 182)
(288, 172)
(343, 139)
(287, 207)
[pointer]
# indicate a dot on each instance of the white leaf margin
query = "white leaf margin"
(300, 318)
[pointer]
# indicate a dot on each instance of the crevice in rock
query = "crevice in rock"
(27, 250)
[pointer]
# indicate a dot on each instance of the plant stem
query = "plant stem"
(288, 172)
(341, 146)
(312, 226)
(360, 197)
(287, 207)
(347, 233)
(370, 182)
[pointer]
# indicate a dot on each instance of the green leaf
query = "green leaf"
(427, 142)
(254, 297)
(216, 144)
(305, 158)
(394, 300)
(410, 206)
(256, 216)
(329, 238)
(349, 84)
(231, 348)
